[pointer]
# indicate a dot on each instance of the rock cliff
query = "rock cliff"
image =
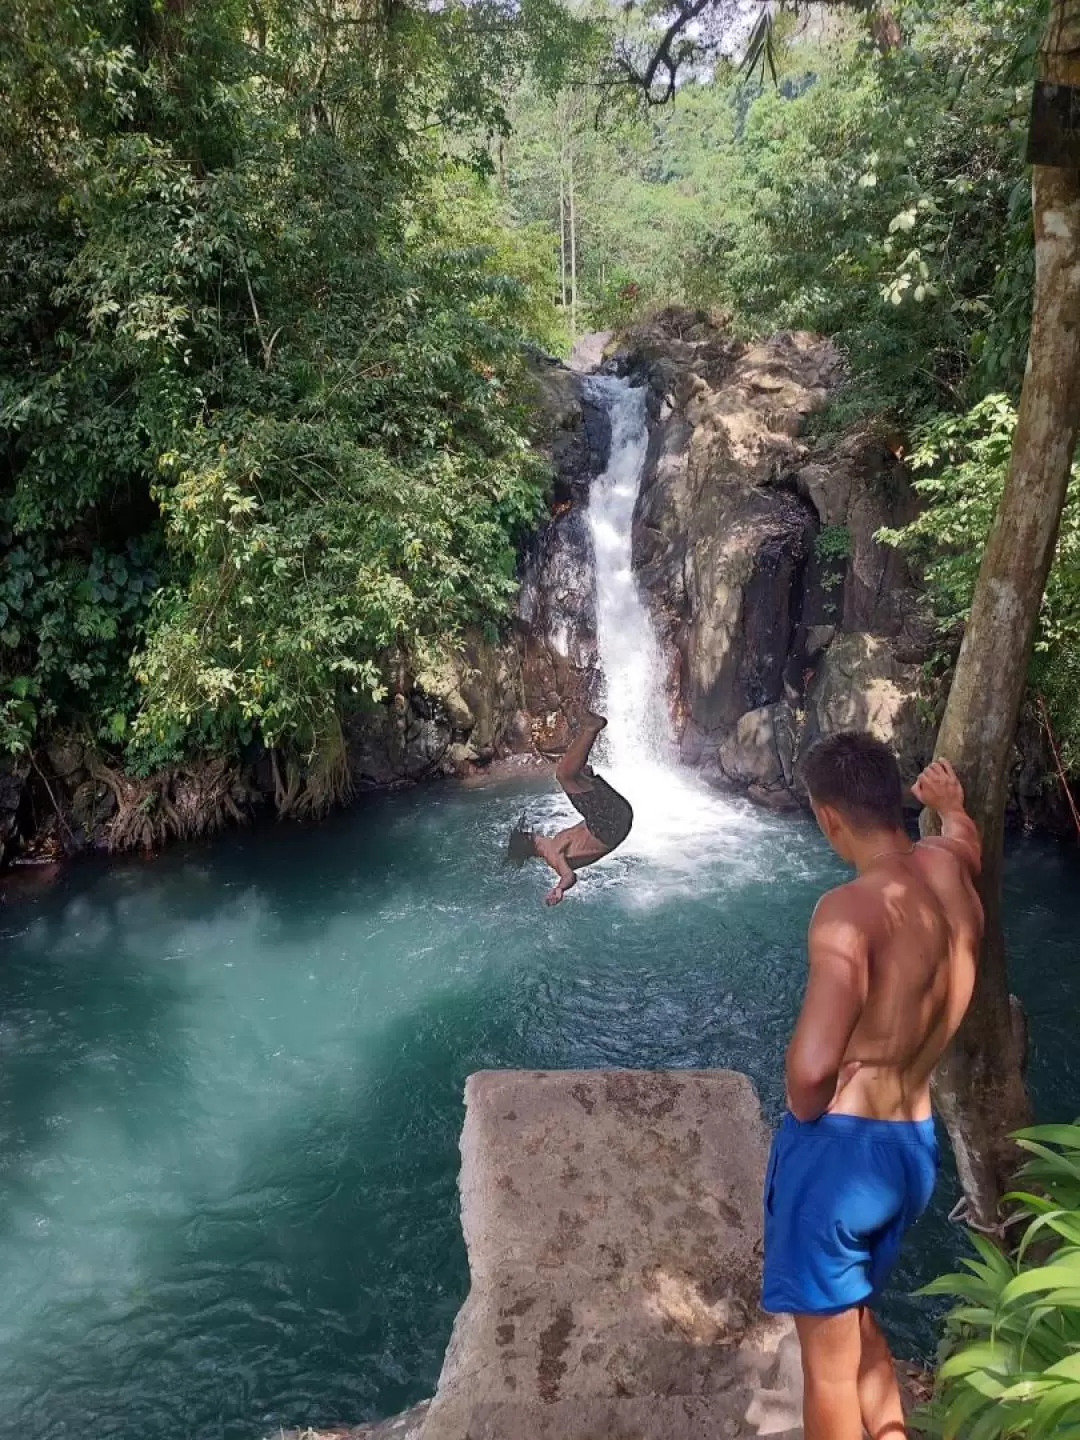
(786, 618)
(755, 538)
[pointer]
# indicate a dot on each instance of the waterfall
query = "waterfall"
(679, 822)
(639, 730)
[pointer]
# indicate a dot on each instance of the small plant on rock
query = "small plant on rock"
(833, 547)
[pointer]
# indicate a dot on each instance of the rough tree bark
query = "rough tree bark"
(573, 252)
(980, 1088)
(562, 229)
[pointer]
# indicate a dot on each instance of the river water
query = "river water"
(231, 1078)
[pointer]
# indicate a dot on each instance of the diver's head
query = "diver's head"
(521, 845)
(855, 790)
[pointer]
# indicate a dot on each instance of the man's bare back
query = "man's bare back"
(902, 942)
(922, 920)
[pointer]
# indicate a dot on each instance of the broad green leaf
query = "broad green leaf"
(984, 1355)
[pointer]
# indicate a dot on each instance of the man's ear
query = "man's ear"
(830, 820)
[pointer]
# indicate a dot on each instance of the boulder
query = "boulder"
(588, 350)
(441, 681)
(818, 639)
(67, 759)
(861, 685)
(93, 804)
(568, 427)
(460, 711)
(751, 756)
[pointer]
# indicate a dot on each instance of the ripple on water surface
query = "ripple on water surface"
(231, 1082)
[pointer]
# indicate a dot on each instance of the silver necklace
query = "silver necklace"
(891, 855)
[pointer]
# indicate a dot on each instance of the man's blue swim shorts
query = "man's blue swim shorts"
(839, 1194)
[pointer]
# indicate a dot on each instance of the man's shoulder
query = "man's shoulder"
(939, 846)
(854, 903)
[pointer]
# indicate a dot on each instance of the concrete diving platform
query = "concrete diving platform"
(613, 1224)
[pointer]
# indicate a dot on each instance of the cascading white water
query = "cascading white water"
(639, 732)
(678, 820)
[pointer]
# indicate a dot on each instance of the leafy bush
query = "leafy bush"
(1011, 1356)
(881, 202)
(960, 463)
(833, 542)
(833, 547)
(260, 340)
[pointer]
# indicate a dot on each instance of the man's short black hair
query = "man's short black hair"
(521, 846)
(859, 776)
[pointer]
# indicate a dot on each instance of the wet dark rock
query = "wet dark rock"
(757, 547)
(13, 797)
(556, 619)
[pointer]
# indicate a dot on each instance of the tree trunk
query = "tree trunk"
(573, 252)
(562, 228)
(979, 1087)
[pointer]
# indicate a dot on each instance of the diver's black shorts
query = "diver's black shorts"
(607, 814)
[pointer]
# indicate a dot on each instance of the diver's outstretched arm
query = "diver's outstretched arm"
(551, 853)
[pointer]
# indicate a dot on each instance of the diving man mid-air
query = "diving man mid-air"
(606, 817)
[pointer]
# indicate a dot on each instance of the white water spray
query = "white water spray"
(639, 731)
(678, 821)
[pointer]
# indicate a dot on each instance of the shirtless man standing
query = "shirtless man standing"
(606, 817)
(892, 968)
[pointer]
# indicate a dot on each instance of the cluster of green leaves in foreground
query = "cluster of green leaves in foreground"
(960, 464)
(1011, 1355)
(260, 366)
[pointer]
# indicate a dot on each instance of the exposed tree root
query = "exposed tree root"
(308, 793)
(181, 802)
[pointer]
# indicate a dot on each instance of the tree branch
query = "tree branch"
(662, 56)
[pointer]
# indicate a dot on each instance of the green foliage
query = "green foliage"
(878, 197)
(644, 187)
(960, 463)
(833, 543)
(260, 350)
(833, 548)
(1011, 1357)
(880, 204)
(72, 622)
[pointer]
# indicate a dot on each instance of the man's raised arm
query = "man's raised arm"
(939, 788)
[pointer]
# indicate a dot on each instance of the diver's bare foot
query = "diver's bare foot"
(591, 721)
